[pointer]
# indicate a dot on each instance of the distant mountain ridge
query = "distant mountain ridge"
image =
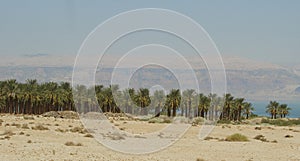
(245, 78)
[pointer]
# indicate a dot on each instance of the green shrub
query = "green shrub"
(224, 122)
(280, 122)
(236, 138)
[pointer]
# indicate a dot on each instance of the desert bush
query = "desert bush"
(208, 138)
(29, 141)
(288, 136)
(236, 138)
(156, 120)
(39, 127)
(280, 122)
(200, 159)
(88, 135)
(261, 138)
(257, 128)
(60, 130)
(28, 117)
(7, 133)
(224, 122)
(16, 125)
(198, 120)
(21, 133)
(79, 130)
(25, 126)
(70, 143)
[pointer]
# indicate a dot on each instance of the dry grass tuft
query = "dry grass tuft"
(79, 130)
(25, 126)
(7, 133)
(39, 127)
(29, 141)
(28, 117)
(16, 125)
(60, 130)
(88, 135)
(70, 143)
(257, 128)
(200, 159)
(236, 138)
(288, 136)
(261, 138)
(208, 138)
(21, 133)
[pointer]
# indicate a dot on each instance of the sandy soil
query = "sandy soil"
(19, 142)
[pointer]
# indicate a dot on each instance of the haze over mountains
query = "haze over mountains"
(245, 78)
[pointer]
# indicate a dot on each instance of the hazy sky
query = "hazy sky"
(265, 30)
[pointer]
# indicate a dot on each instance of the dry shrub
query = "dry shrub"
(200, 159)
(21, 133)
(257, 128)
(237, 138)
(6, 137)
(288, 136)
(88, 135)
(1, 121)
(261, 138)
(60, 130)
(208, 138)
(29, 141)
(79, 130)
(16, 125)
(70, 143)
(39, 127)
(25, 126)
(56, 124)
(28, 117)
(7, 133)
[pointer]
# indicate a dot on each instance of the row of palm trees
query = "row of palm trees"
(276, 109)
(32, 97)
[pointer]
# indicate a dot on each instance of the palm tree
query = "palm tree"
(248, 109)
(187, 98)
(203, 107)
(272, 109)
(237, 112)
(11, 89)
(283, 110)
(227, 106)
(143, 98)
(174, 99)
(216, 104)
(158, 99)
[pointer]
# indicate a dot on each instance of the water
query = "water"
(260, 108)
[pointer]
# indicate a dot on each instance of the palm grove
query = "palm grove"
(32, 97)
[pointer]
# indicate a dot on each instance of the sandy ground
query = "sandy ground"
(17, 142)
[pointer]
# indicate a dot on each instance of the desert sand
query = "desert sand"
(49, 138)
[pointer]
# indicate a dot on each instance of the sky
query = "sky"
(263, 30)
